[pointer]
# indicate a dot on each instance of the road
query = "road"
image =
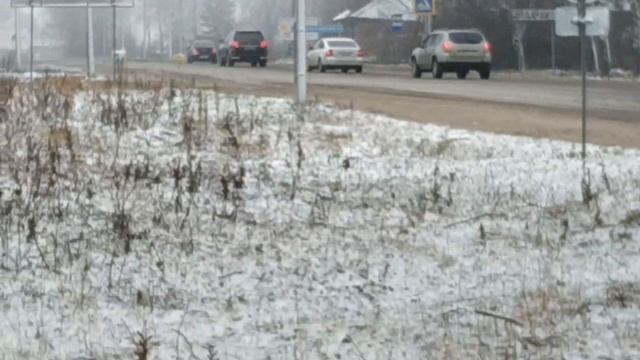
(533, 105)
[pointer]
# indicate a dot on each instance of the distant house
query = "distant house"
(371, 26)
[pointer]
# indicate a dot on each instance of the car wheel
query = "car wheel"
(345, 70)
(462, 74)
(416, 72)
(436, 70)
(263, 63)
(309, 68)
(321, 67)
(485, 73)
(254, 64)
(230, 62)
(359, 69)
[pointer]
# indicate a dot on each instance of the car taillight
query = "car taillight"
(361, 53)
(328, 53)
(264, 44)
(487, 47)
(235, 45)
(447, 46)
(194, 51)
(213, 51)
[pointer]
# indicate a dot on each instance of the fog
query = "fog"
(159, 29)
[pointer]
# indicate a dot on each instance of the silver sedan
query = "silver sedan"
(336, 53)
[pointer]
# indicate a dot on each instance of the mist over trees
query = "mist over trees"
(217, 17)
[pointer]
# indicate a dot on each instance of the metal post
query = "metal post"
(18, 38)
(90, 47)
(554, 66)
(294, 12)
(144, 29)
(181, 25)
(301, 53)
(31, 45)
(582, 12)
(115, 40)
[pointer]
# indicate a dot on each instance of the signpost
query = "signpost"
(31, 4)
(583, 21)
(331, 29)
(397, 25)
(423, 7)
(523, 16)
(427, 9)
(533, 14)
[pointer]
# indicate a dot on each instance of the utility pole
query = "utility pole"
(294, 12)
(301, 53)
(31, 45)
(554, 65)
(90, 47)
(582, 27)
(18, 34)
(114, 39)
(144, 29)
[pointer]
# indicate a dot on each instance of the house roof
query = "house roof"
(381, 10)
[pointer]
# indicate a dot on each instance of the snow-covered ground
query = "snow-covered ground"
(221, 227)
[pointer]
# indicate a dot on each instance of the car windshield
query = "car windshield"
(342, 44)
(249, 37)
(203, 44)
(466, 38)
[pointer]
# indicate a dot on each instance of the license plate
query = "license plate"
(202, 57)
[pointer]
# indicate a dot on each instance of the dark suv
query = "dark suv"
(243, 46)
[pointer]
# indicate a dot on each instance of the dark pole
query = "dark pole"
(554, 66)
(582, 12)
(31, 46)
(88, 41)
(114, 39)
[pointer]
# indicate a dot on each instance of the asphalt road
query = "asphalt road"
(534, 104)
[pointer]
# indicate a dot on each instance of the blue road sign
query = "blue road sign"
(397, 25)
(326, 29)
(423, 6)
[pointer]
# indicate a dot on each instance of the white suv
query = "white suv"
(458, 51)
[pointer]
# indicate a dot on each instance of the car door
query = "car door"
(312, 55)
(430, 50)
(421, 57)
(318, 52)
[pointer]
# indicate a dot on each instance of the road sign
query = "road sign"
(597, 19)
(397, 24)
(423, 7)
(533, 14)
(331, 29)
(285, 29)
(72, 3)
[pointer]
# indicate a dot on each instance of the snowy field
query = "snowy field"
(177, 224)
